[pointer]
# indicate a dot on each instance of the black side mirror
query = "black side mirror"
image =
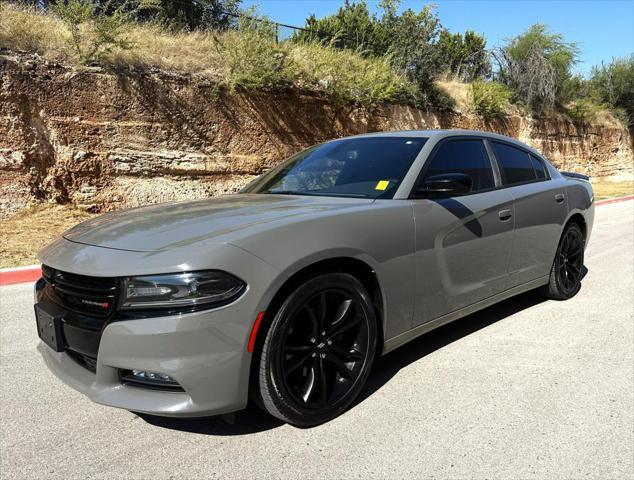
(445, 185)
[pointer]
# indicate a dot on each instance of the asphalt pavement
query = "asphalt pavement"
(525, 389)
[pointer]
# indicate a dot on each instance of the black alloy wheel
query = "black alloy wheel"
(322, 353)
(567, 269)
(570, 260)
(318, 351)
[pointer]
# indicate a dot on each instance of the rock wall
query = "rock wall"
(106, 140)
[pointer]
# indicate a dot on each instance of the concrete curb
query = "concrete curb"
(30, 273)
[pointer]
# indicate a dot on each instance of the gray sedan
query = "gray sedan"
(287, 292)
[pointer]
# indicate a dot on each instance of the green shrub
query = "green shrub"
(585, 110)
(346, 76)
(408, 38)
(436, 98)
(94, 34)
(489, 98)
(254, 58)
(623, 116)
(613, 84)
(464, 57)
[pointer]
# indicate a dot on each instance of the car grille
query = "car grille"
(94, 296)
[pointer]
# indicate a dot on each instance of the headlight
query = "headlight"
(180, 290)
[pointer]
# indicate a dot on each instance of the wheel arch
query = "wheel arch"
(358, 268)
(580, 220)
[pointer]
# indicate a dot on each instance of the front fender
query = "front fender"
(382, 237)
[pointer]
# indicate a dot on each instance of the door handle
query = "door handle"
(559, 198)
(505, 215)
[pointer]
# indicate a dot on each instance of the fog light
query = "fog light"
(147, 379)
(152, 376)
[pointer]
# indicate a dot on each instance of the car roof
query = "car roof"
(442, 133)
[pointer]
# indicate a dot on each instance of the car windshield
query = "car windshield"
(365, 167)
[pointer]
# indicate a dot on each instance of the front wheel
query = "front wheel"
(319, 350)
(565, 275)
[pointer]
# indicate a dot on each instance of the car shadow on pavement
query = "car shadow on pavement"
(249, 420)
(252, 419)
(386, 367)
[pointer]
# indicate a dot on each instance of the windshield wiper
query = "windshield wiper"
(316, 194)
(286, 192)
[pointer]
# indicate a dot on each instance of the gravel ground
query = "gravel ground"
(526, 389)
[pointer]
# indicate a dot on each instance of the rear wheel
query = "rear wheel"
(319, 350)
(565, 275)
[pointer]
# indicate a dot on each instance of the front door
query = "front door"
(463, 244)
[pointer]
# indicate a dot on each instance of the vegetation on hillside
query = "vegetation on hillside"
(489, 99)
(354, 56)
(177, 14)
(246, 56)
(537, 65)
(613, 85)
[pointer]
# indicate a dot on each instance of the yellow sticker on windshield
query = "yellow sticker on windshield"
(382, 185)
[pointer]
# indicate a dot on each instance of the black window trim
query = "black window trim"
(497, 179)
(497, 173)
(523, 149)
(542, 162)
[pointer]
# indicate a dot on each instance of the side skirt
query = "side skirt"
(419, 330)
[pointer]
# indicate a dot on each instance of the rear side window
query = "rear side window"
(538, 165)
(515, 164)
(463, 156)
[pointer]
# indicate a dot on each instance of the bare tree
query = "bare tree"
(533, 77)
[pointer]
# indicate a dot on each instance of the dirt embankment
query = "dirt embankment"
(103, 140)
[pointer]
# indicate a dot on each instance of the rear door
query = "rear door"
(463, 243)
(540, 208)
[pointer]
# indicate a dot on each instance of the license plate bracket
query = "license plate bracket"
(49, 328)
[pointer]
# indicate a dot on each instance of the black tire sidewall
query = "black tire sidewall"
(557, 289)
(277, 400)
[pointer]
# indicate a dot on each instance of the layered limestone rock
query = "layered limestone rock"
(106, 140)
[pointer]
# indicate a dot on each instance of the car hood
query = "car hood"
(172, 225)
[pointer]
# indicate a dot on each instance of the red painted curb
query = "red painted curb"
(20, 275)
(614, 200)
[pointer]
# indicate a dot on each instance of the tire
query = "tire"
(318, 351)
(566, 272)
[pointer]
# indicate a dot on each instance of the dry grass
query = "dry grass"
(245, 58)
(25, 29)
(29, 30)
(603, 190)
(152, 45)
(487, 99)
(459, 91)
(26, 232)
(346, 76)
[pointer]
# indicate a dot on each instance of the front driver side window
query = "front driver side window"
(463, 156)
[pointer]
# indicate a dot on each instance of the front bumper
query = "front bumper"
(204, 352)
